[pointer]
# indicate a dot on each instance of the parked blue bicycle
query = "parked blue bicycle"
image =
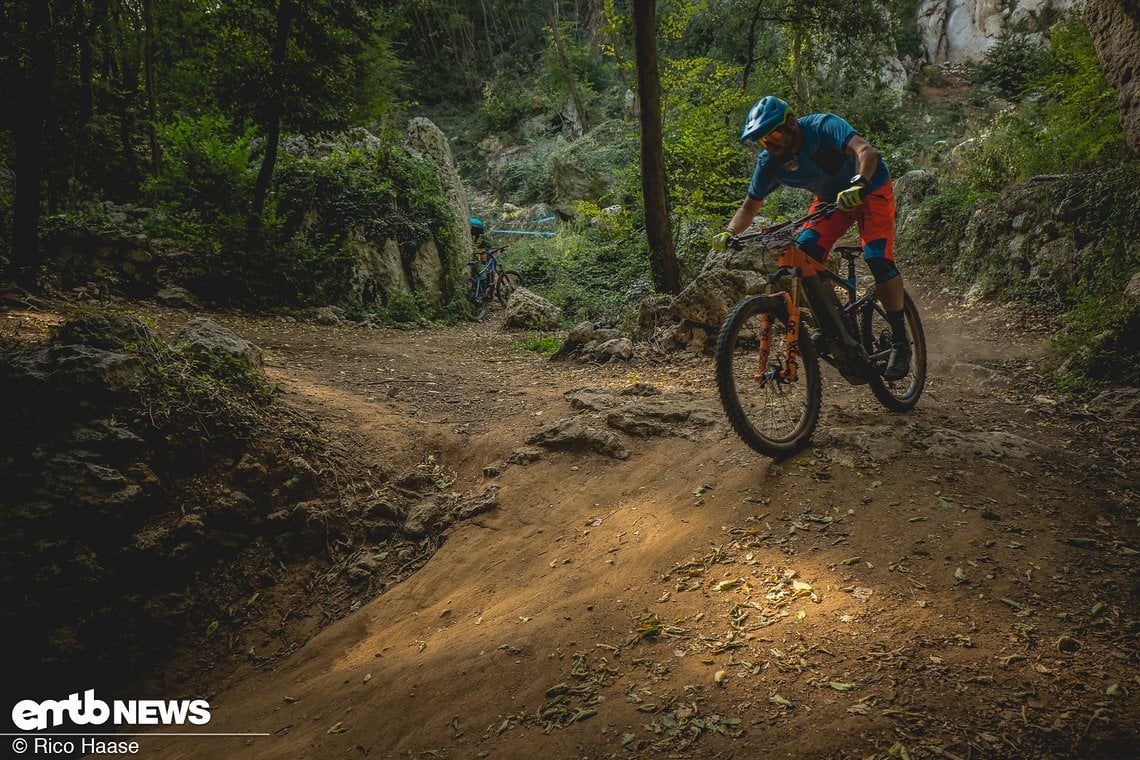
(488, 282)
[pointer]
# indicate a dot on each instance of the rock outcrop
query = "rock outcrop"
(427, 142)
(1115, 29)
(957, 31)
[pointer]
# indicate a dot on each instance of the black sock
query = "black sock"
(898, 325)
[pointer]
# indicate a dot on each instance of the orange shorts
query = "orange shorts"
(876, 220)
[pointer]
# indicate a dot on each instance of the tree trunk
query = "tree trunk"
(750, 56)
(564, 59)
(30, 112)
(797, 66)
(151, 100)
(662, 256)
(272, 122)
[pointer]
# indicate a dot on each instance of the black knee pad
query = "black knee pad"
(882, 269)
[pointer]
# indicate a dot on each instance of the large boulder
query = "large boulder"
(708, 299)
(77, 370)
(1115, 29)
(206, 340)
(529, 311)
(377, 269)
(426, 141)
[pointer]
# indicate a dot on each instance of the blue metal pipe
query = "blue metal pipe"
(523, 232)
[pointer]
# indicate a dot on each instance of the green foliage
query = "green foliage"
(1097, 346)
(201, 196)
(592, 268)
(931, 235)
(1014, 62)
(569, 60)
(382, 194)
(302, 257)
(404, 309)
(1072, 122)
(1098, 341)
(1079, 118)
(206, 167)
(705, 162)
(529, 179)
(544, 345)
(505, 103)
(908, 37)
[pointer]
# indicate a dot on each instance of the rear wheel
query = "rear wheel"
(897, 395)
(509, 281)
(773, 416)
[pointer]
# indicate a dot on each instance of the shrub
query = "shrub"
(590, 269)
(1014, 61)
(706, 167)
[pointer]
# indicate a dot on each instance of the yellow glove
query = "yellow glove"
(720, 241)
(852, 196)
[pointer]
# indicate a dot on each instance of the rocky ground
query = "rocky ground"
(619, 576)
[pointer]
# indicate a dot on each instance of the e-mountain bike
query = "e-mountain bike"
(769, 346)
(487, 282)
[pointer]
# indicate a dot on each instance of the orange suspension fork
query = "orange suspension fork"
(765, 347)
(791, 354)
(791, 358)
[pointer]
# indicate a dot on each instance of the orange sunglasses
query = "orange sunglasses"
(776, 133)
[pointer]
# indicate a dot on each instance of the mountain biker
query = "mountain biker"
(824, 154)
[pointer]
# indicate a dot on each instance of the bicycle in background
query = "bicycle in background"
(488, 282)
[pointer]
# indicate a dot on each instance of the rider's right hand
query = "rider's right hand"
(720, 241)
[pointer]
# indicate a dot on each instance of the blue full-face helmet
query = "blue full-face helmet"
(768, 114)
(477, 227)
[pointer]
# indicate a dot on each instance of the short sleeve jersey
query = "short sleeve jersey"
(821, 164)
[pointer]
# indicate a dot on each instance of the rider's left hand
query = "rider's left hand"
(852, 197)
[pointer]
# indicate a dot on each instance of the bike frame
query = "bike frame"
(485, 284)
(834, 318)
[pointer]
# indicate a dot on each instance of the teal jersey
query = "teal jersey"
(821, 164)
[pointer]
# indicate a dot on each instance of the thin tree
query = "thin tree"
(567, 68)
(34, 81)
(662, 256)
(151, 97)
(271, 121)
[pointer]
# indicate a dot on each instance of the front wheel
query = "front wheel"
(772, 415)
(897, 395)
(477, 298)
(509, 281)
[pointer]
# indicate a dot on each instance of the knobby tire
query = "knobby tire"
(479, 306)
(509, 281)
(898, 395)
(773, 418)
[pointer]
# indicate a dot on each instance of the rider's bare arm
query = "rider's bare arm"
(744, 215)
(866, 157)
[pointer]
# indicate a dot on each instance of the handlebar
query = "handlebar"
(774, 236)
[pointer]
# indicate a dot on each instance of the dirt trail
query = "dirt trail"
(959, 582)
